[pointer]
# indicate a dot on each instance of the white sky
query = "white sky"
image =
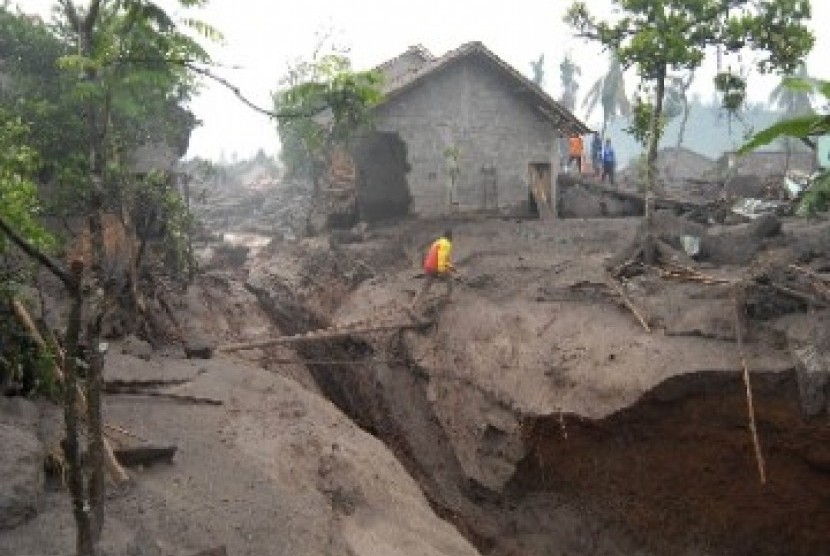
(263, 36)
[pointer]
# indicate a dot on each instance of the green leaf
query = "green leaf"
(790, 128)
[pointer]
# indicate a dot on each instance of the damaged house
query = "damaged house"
(457, 134)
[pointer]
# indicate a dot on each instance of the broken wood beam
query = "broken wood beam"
(345, 362)
(326, 334)
(145, 455)
(801, 296)
(681, 272)
(153, 383)
(198, 400)
(819, 283)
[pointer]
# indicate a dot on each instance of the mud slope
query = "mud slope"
(538, 415)
(276, 470)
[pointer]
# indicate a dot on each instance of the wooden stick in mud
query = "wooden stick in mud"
(115, 469)
(629, 304)
(809, 273)
(125, 432)
(750, 406)
(801, 296)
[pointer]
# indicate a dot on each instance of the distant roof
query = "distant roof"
(415, 50)
(396, 85)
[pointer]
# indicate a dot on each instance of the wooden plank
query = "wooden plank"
(325, 334)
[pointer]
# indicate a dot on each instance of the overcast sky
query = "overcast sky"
(263, 37)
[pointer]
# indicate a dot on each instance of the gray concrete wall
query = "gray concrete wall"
(474, 107)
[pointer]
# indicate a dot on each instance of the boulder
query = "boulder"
(813, 377)
(765, 226)
(21, 467)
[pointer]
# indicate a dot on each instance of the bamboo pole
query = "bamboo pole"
(630, 304)
(325, 334)
(750, 406)
(115, 470)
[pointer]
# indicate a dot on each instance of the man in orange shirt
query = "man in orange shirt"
(575, 151)
(437, 266)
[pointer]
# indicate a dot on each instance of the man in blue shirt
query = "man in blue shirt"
(609, 161)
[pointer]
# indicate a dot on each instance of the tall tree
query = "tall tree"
(793, 101)
(125, 61)
(321, 103)
(569, 74)
(609, 92)
(538, 68)
(679, 95)
(659, 37)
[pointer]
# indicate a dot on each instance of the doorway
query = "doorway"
(489, 189)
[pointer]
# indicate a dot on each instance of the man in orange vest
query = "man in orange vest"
(575, 150)
(437, 266)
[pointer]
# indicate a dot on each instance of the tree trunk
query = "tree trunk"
(96, 125)
(651, 170)
(95, 432)
(686, 109)
(191, 258)
(85, 546)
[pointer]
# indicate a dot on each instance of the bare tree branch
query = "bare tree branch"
(38, 255)
(235, 90)
(92, 15)
(71, 13)
(205, 72)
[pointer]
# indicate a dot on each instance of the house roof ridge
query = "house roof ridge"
(547, 105)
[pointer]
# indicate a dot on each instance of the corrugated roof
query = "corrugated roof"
(559, 116)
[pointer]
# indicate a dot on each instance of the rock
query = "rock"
(813, 377)
(744, 186)
(732, 245)
(132, 345)
(197, 347)
(766, 225)
(21, 469)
